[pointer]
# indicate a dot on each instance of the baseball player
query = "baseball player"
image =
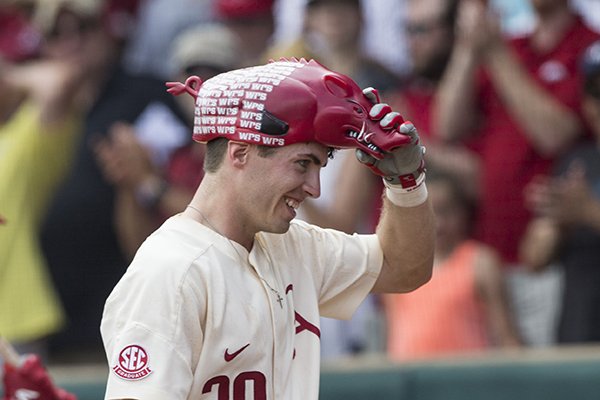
(223, 301)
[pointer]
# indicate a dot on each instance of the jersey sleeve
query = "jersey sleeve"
(344, 267)
(151, 335)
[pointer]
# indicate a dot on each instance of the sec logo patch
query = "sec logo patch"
(132, 363)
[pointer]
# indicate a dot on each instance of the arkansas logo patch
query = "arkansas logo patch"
(132, 363)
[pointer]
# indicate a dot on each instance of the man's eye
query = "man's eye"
(358, 110)
(304, 163)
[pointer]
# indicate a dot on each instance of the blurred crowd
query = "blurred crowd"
(95, 155)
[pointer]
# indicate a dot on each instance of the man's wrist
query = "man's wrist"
(407, 197)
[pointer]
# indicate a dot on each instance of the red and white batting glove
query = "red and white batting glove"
(403, 167)
(30, 380)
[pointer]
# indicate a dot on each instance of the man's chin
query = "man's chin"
(279, 228)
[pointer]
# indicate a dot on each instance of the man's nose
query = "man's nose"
(312, 185)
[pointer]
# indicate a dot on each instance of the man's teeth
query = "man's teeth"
(292, 203)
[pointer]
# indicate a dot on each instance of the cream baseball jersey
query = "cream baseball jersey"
(198, 317)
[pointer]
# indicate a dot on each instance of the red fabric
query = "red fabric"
(119, 16)
(19, 40)
(186, 168)
(31, 379)
(509, 160)
(414, 103)
(240, 9)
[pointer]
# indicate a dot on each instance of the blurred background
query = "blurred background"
(95, 155)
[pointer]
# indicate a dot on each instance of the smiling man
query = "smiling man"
(223, 301)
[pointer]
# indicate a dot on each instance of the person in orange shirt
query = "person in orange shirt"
(463, 308)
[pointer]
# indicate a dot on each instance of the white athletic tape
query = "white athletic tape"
(410, 197)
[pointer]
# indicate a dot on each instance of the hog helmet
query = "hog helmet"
(285, 102)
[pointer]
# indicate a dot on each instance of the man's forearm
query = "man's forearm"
(453, 115)
(407, 238)
(549, 124)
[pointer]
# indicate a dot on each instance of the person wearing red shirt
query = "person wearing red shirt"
(521, 98)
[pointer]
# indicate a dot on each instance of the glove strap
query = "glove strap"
(407, 181)
(407, 197)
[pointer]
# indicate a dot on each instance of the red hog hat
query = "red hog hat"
(286, 102)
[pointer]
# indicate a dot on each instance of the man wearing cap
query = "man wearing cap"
(223, 301)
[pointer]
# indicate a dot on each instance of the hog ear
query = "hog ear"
(337, 86)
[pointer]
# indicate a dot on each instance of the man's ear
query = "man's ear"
(238, 152)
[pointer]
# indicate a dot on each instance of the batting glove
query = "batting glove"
(403, 167)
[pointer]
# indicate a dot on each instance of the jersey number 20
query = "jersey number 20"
(222, 382)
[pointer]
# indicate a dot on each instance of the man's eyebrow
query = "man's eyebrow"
(315, 159)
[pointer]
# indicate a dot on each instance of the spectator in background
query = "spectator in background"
(429, 30)
(148, 192)
(522, 99)
(463, 308)
(252, 22)
(43, 103)
(429, 26)
(567, 223)
(78, 235)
